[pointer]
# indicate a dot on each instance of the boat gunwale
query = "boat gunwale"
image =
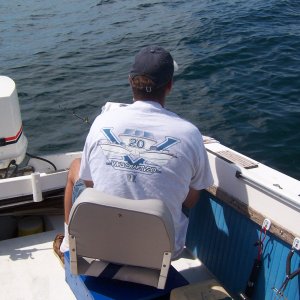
(252, 214)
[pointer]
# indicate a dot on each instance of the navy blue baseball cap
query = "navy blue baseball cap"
(154, 63)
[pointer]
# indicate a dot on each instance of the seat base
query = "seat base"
(97, 288)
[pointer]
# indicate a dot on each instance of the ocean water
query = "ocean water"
(238, 77)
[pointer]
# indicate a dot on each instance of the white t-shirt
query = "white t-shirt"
(143, 151)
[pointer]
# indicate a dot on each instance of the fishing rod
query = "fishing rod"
(13, 169)
(84, 119)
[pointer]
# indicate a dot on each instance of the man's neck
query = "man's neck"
(161, 102)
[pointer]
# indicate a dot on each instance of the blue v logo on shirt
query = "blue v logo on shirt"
(136, 150)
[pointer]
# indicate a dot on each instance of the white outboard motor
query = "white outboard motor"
(13, 143)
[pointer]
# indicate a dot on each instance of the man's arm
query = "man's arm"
(191, 199)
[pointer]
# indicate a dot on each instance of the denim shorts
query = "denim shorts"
(78, 188)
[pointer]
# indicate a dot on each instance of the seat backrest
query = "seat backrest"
(121, 231)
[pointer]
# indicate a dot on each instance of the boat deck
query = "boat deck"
(29, 269)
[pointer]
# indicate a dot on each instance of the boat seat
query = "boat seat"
(128, 240)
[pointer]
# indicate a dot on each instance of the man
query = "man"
(144, 151)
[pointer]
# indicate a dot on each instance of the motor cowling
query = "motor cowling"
(13, 142)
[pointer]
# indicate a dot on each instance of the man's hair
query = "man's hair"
(144, 88)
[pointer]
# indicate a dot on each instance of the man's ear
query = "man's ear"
(169, 87)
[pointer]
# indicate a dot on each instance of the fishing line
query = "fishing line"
(75, 114)
(84, 119)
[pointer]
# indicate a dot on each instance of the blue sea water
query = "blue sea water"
(238, 77)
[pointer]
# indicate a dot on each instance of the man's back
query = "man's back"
(144, 151)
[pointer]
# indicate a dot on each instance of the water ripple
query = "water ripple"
(238, 79)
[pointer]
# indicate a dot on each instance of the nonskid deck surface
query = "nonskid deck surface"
(30, 270)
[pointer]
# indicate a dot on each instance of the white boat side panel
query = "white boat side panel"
(274, 208)
(15, 187)
(21, 186)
